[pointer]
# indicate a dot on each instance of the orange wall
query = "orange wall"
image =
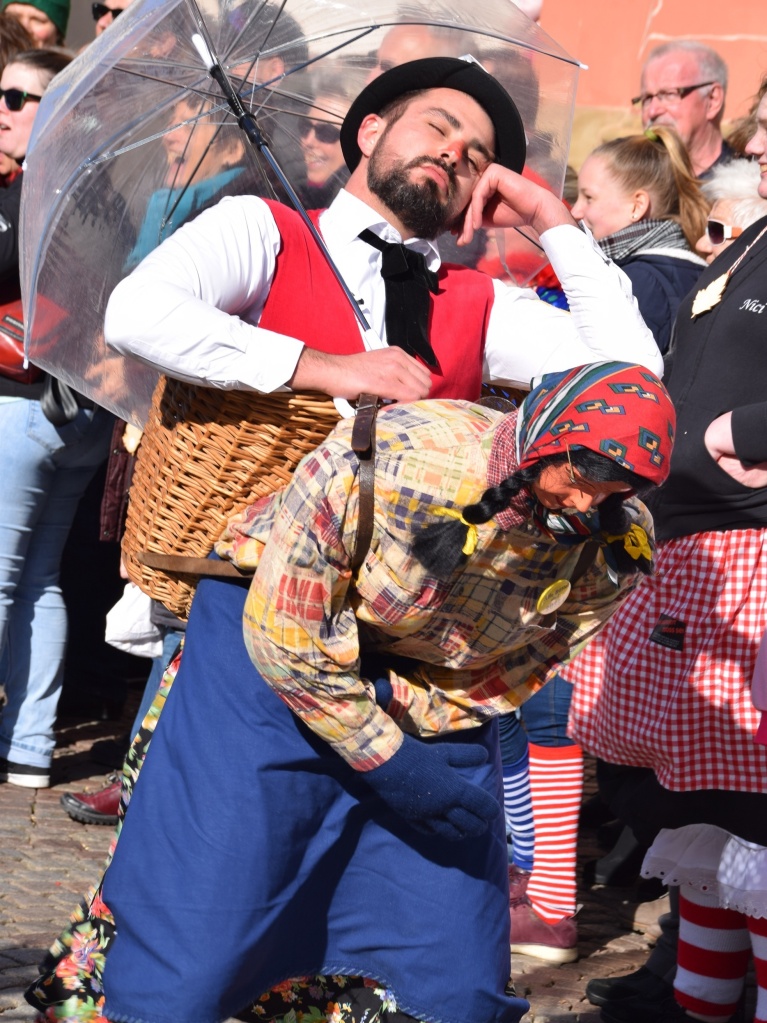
(614, 36)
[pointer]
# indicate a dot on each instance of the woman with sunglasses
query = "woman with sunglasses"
(731, 190)
(319, 132)
(641, 201)
(105, 15)
(46, 462)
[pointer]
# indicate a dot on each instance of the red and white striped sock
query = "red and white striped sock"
(758, 930)
(713, 954)
(556, 785)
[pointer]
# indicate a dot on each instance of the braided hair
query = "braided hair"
(440, 547)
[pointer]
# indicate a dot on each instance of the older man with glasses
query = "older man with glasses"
(684, 84)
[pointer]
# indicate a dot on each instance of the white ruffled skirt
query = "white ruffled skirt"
(713, 861)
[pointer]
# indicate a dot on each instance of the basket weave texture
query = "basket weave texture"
(206, 452)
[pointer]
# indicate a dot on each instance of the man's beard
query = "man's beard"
(419, 206)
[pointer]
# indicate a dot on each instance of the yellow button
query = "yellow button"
(553, 597)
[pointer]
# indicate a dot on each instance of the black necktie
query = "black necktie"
(407, 281)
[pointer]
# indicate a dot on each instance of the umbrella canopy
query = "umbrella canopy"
(134, 138)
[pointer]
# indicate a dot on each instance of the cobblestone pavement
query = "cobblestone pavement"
(47, 861)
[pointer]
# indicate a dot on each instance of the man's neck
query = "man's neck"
(705, 150)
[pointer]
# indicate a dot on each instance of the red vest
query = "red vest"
(306, 302)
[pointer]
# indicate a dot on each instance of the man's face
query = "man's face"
(689, 115)
(426, 163)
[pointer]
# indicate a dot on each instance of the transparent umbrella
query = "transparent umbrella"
(135, 137)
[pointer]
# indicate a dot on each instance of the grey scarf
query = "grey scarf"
(647, 234)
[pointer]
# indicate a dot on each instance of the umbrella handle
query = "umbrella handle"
(256, 138)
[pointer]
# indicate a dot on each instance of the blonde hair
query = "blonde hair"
(657, 162)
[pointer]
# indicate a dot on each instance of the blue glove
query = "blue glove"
(419, 784)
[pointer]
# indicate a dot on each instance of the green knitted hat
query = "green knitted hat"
(57, 10)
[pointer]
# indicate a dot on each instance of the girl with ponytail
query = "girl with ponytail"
(639, 197)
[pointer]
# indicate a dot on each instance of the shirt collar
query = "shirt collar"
(347, 215)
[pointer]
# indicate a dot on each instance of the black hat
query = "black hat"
(440, 73)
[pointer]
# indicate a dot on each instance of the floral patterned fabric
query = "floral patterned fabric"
(69, 989)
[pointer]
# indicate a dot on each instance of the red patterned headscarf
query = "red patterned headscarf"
(617, 409)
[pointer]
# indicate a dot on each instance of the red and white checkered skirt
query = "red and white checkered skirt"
(686, 713)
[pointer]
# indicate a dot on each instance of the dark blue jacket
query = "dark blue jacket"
(660, 282)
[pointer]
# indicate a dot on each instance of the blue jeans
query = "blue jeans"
(542, 719)
(44, 470)
(170, 641)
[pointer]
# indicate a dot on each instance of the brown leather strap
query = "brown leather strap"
(585, 560)
(364, 446)
(177, 564)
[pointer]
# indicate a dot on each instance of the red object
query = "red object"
(518, 879)
(532, 936)
(94, 807)
(12, 345)
(305, 295)
(556, 787)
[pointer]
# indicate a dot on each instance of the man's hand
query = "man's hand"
(721, 447)
(505, 199)
(388, 372)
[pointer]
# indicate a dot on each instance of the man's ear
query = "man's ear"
(369, 133)
(715, 101)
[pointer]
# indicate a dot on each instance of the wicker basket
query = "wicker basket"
(204, 453)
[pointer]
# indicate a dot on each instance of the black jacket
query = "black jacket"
(10, 202)
(660, 282)
(717, 364)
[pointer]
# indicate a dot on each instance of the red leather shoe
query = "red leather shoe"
(95, 807)
(532, 936)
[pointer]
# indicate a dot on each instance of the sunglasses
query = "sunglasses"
(99, 10)
(323, 131)
(718, 232)
(16, 98)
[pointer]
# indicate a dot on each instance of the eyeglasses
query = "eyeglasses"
(718, 232)
(669, 97)
(99, 10)
(323, 132)
(16, 98)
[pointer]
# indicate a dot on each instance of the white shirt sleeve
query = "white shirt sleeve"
(527, 337)
(191, 307)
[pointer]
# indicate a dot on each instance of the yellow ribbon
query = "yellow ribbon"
(635, 542)
(472, 536)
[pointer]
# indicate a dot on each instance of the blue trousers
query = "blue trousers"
(44, 470)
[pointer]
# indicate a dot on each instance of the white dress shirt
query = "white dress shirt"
(191, 307)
